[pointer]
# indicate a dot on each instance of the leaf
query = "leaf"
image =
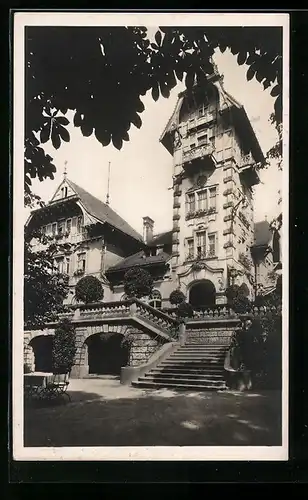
(241, 58)
(136, 120)
(62, 120)
(77, 119)
(65, 136)
(276, 91)
(158, 37)
(179, 73)
(250, 73)
(86, 128)
(55, 137)
(102, 136)
(45, 132)
(117, 142)
(259, 76)
(155, 92)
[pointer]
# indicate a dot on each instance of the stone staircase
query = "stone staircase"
(194, 366)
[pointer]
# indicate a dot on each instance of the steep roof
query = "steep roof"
(103, 212)
(140, 259)
(161, 239)
(262, 233)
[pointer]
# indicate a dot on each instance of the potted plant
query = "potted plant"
(176, 297)
(89, 289)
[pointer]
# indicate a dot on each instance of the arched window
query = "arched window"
(155, 299)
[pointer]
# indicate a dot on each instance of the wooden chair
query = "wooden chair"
(56, 387)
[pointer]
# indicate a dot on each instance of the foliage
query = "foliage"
(176, 297)
(89, 289)
(259, 349)
(27, 368)
(44, 287)
(184, 310)
(245, 260)
(138, 283)
(88, 71)
(237, 298)
(64, 347)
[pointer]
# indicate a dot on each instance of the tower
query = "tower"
(215, 160)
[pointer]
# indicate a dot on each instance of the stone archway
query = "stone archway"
(106, 354)
(202, 294)
(42, 350)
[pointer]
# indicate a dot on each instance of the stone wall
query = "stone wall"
(142, 346)
(211, 335)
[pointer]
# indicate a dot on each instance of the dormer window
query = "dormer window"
(64, 191)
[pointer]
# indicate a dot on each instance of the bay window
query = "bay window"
(201, 244)
(81, 262)
(202, 200)
(191, 203)
(190, 248)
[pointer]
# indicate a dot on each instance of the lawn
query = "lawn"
(102, 412)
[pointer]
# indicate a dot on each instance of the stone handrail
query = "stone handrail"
(225, 311)
(156, 316)
(105, 309)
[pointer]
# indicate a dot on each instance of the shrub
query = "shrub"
(176, 297)
(184, 310)
(64, 347)
(89, 289)
(138, 283)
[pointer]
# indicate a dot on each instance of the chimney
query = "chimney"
(148, 228)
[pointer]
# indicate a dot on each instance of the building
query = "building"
(213, 241)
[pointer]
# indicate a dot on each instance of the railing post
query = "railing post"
(76, 313)
(182, 333)
(133, 308)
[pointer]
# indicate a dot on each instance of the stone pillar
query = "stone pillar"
(182, 333)
(81, 368)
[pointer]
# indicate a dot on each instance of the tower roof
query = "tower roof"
(226, 102)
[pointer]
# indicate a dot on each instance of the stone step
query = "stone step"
(189, 372)
(194, 355)
(190, 362)
(197, 376)
(183, 387)
(178, 381)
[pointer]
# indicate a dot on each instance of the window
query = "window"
(213, 197)
(54, 229)
(48, 229)
(201, 244)
(202, 200)
(43, 229)
(67, 265)
(202, 110)
(81, 262)
(59, 264)
(79, 224)
(68, 225)
(65, 192)
(155, 299)
(202, 139)
(191, 202)
(212, 244)
(61, 225)
(192, 145)
(190, 248)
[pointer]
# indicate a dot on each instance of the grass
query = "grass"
(105, 413)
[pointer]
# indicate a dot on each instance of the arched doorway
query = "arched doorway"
(106, 354)
(42, 349)
(202, 294)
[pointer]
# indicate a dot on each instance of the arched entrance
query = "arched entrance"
(106, 354)
(202, 294)
(42, 349)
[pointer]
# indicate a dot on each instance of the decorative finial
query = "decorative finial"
(65, 169)
(108, 185)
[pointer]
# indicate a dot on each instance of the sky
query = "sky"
(141, 173)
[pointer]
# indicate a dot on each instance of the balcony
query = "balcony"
(247, 160)
(199, 153)
(200, 121)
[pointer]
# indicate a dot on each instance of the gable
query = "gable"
(64, 191)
